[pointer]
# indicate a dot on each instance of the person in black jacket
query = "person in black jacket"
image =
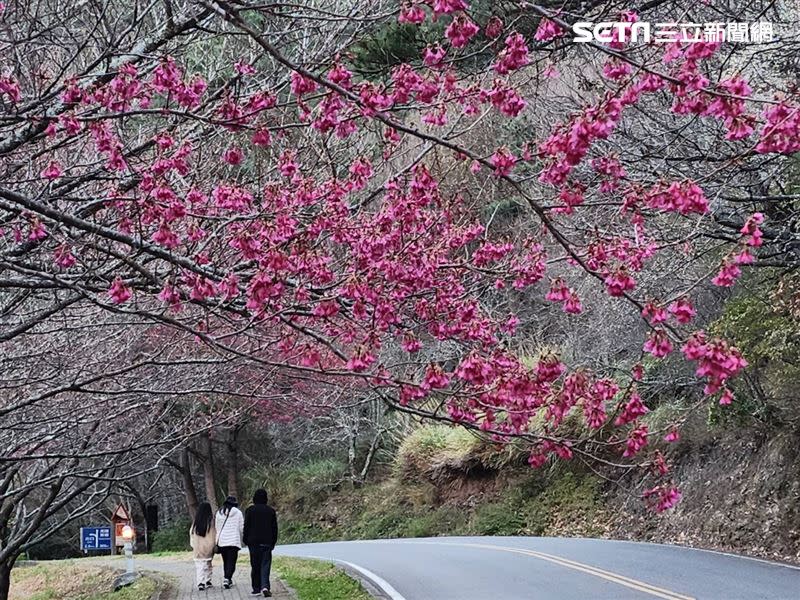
(260, 536)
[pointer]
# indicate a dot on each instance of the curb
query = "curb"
(289, 590)
(375, 585)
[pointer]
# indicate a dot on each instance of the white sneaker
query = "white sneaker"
(227, 583)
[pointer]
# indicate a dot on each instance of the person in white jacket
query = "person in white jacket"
(229, 523)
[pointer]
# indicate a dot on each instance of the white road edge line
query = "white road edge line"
(379, 582)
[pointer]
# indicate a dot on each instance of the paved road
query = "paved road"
(516, 568)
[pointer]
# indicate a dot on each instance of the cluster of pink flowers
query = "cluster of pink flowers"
(119, 292)
(108, 144)
(611, 168)
(752, 237)
(167, 80)
(559, 292)
(503, 162)
(568, 144)
(637, 439)
(683, 310)
(658, 344)
(504, 98)
(491, 252)
(301, 85)
(781, 131)
(632, 410)
(52, 171)
(411, 13)
(514, 56)
(684, 197)
(619, 281)
(717, 360)
(662, 497)
(547, 30)
(446, 7)
(461, 30)
(10, 87)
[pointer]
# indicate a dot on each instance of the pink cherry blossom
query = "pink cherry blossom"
(619, 281)
(171, 296)
(514, 56)
(411, 13)
(662, 497)
(494, 28)
(10, 87)
(503, 162)
(781, 130)
(53, 171)
(435, 378)
(632, 410)
(682, 310)
(461, 30)
(63, 257)
(658, 344)
(637, 439)
(547, 30)
(654, 314)
(119, 292)
(244, 68)
(301, 85)
(727, 275)
(433, 56)
(262, 137)
(504, 98)
(233, 156)
(726, 398)
(446, 7)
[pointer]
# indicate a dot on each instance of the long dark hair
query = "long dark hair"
(202, 519)
(230, 502)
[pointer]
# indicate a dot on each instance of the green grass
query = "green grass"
(318, 580)
(69, 580)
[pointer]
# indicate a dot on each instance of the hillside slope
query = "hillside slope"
(741, 493)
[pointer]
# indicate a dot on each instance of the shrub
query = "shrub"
(174, 537)
(498, 518)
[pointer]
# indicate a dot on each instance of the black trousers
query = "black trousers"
(260, 565)
(229, 556)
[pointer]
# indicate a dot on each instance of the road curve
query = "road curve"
(529, 568)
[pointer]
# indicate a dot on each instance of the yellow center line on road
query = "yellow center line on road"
(571, 564)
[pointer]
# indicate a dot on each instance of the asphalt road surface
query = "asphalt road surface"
(519, 568)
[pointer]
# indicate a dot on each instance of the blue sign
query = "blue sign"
(96, 538)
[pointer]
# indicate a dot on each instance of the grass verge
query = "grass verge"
(318, 580)
(68, 580)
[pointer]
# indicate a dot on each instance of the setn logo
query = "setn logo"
(661, 33)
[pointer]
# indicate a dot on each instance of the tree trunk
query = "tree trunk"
(5, 579)
(376, 441)
(233, 463)
(208, 471)
(188, 483)
(351, 453)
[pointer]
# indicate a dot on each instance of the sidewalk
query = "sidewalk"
(181, 569)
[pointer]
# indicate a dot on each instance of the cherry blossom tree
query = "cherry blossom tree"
(238, 178)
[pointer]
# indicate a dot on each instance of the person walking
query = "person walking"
(202, 537)
(260, 537)
(230, 526)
